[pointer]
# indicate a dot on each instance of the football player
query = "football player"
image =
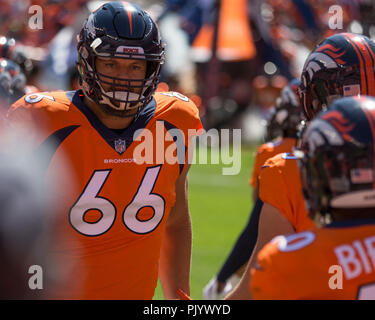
(273, 130)
(16, 53)
(336, 261)
(130, 214)
(12, 81)
(287, 117)
(12, 50)
(341, 65)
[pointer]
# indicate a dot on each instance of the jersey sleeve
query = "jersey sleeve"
(192, 128)
(296, 266)
(31, 106)
(23, 121)
(180, 113)
(266, 281)
(50, 101)
(273, 190)
(267, 151)
(277, 275)
(28, 114)
(259, 161)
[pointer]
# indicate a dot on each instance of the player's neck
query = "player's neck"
(111, 122)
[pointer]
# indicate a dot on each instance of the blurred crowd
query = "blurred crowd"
(231, 57)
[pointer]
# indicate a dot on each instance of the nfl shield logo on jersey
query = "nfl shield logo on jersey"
(120, 145)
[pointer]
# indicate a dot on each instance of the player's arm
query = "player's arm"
(254, 181)
(175, 255)
(256, 192)
(271, 223)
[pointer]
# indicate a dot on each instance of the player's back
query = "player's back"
(336, 262)
(280, 186)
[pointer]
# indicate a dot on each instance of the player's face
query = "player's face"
(121, 68)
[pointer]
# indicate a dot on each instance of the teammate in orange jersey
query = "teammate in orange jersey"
(130, 214)
(341, 65)
(287, 116)
(336, 261)
(283, 125)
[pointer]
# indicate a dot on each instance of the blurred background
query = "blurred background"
(231, 57)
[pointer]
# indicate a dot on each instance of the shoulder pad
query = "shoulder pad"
(177, 109)
(52, 101)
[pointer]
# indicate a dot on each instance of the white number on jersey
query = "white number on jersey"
(295, 241)
(89, 200)
(177, 95)
(36, 97)
(142, 199)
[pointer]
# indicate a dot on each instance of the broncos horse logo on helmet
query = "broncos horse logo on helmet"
(341, 65)
(338, 162)
(119, 30)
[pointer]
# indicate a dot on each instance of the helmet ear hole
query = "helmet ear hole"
(321, 93)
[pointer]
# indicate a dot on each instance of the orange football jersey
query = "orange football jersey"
(266, 151)
(280, 186)
(336, 262)
(111, 232)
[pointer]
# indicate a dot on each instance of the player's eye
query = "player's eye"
(109, 65)
(136, 67)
